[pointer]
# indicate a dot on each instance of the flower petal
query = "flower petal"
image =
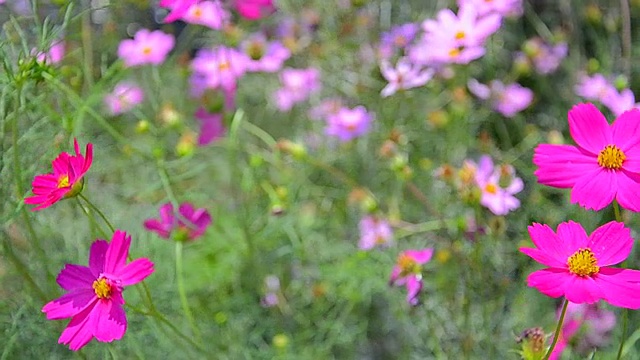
(116, 256)
(69, 304)
(629, 275)
(135, 271)
(108, 320)
(79, 332)
(626, 130)
(589, 128)
(75, 277)
(581, 290)
(420, 256)
(561, 165)
(96, 257)
(595, 191)
(611, 243)
(629, 190)
(618, 291)
(550, 282)
(543, 257)
(547, 241)
(414, 286)
(573, 236)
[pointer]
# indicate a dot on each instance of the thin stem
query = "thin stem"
(94, 208)
(92, 218)
(625, 14)
(616, 211)
(625, 319)
(558, 329)
(182, 293)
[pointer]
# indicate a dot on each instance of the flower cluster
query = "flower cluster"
(599, 88)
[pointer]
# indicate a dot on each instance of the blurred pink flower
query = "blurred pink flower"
(593, 88)
(494, 197)
(578, 265)
(326, 108)
(53, 55)
(297, 86)
(620, 101)
(408, 272)
(263, 55)
(374, 232)
(272, 288)
(125, 96)
(178, 8)
(187, 224)
(94, 299)
(501, 7)
(604, 165)
(211, 126)
(220, 67)
(207, 13)
(507, 99)
(405, 75)
(348, 124)
(66, 180)
(146, 47)
(545, 57)
(595, 322)
(398, 37)
(254, 9)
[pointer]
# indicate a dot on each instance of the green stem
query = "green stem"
(182, 293)
(95, 208)
(616, 211)
(558, 329)
(625, 319)
(92, 219)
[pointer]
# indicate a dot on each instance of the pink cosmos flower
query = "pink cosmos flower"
(211, 126)
(297, 86)
(326, 108)
(501, 7)
(595, 322)
(405, 75)
(125, 96)
(189, 223)
(508, 99)
(604, 165)
(593, 88)
(207, 13)
(146, 47)
(220, 67)
(408, 272)
(497, 199)
(620, 101)
(374, 232)
(178, 8)
(52, 56)
(348, 124)
(263, 55)
(254, 9)
(578, 265)
(94, 299)
(398, 37)
(65, 181)
(546, 58)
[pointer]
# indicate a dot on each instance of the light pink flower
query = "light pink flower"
(494, 197)
(398, 37)
(508, 99)
(604, 165)
(594, 88)
(545, 57)
(374, 232)
(348, 124)
(254, 9)
(207, 13)
(220, 67)
(297, 86)
(94, 299)
(211, 126)
(405, 75)
(66, 180)
(408, 272)
(146, 47)
(620, 101)
(501, 7)
(53, 55)
(125, 96)
(263, 55)
(187, 224)
(578, 265)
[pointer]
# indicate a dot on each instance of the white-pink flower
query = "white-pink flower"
(207, 13)
(497, 199)
(405, 75)
(125, 96)
(146, 47)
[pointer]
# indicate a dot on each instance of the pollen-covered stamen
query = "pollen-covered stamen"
(460, 35)
(407, 265)
(583, 263)
(611, 157)
(491, 188)
(102, 288)
(63, 181)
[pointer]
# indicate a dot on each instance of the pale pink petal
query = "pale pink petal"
(589, 128)
(544, 258)
(75, 277)
(78, 333)
(550, 282)
(596, 191)
(135, 271)
(96, 257)
(618, 291)
(117, 253)
(561, 165)
(628, 195)
(626, 130)
(611, 243)
(108, 321)
(69, 304)
(581, 290)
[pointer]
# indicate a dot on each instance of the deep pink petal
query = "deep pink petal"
(97, 255)
(632, 161)
(69, 304)
(628, 195)
(116, 256)
(161, 228)
(414, 286)
(544, 257)
(596, 191)
(561, 165)
(166, 213)
(573, 236)
(420, 256)
(581, 290)
(75, 277)
(135, 271)
(79, 332)
(626, 130)
(550, 282)
(621, 274)
(618, 291)
(88, 159)
(589, 128)
(108, 321)
(547, 241)
(611, 243)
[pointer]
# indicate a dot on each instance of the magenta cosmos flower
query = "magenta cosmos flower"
(578, 265)
(408, 272)
(65, 181)
(146, 47)
(604, 165)
(178, 8)
(254, 9)
(211, 126)
(94, 299)
(188, 223)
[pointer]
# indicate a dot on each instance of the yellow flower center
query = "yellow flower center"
(455, 52)
(460, 35)
(583, 263)
(224, 66)
(147, 50)
(491, 189)
(63, 181)
(197, 12)
(407, 265)
(102, 288)
(611, 157)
